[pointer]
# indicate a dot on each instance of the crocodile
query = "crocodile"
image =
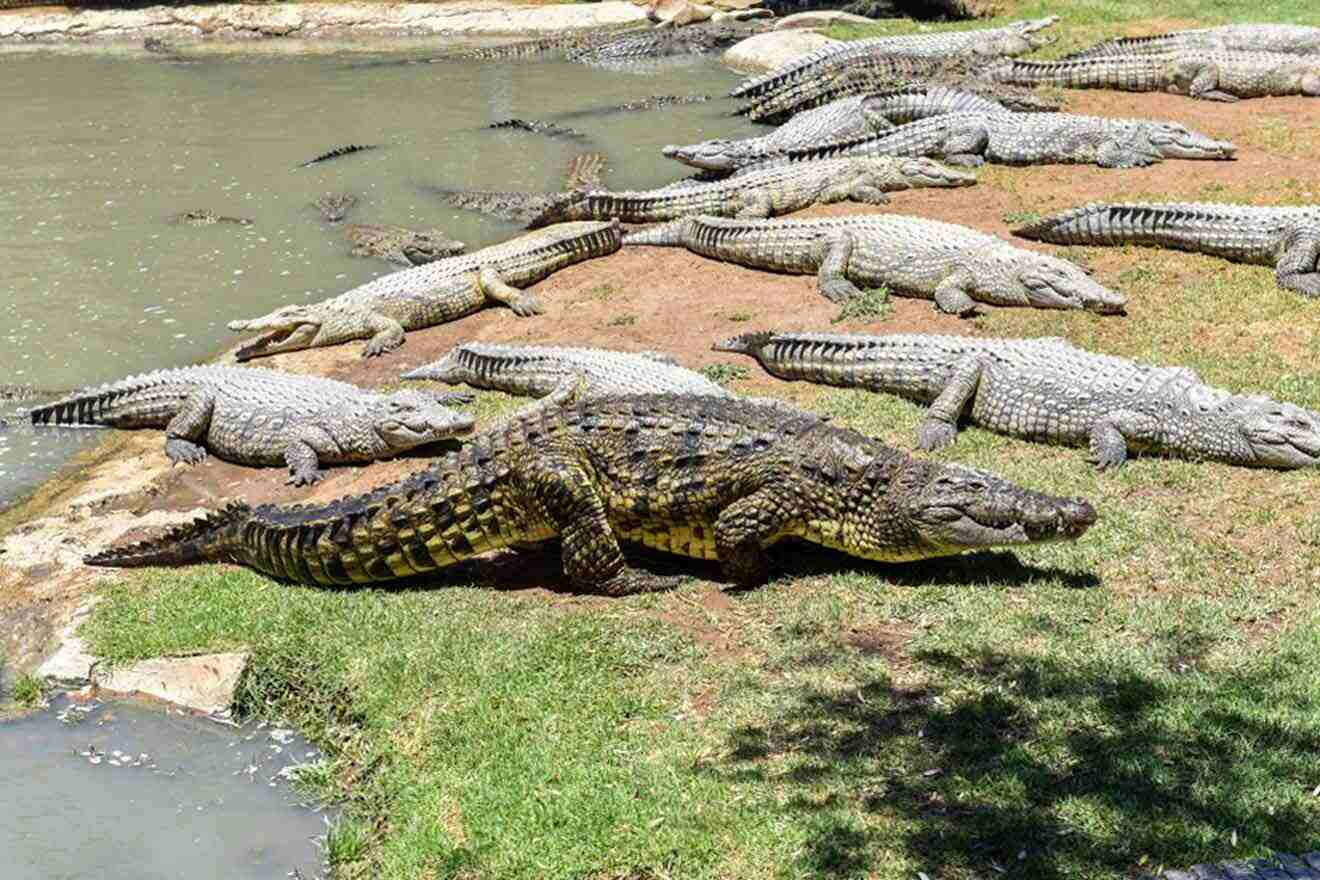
(1049, 391)
(955, 266)
(334, 207)
(706, 477)
(1209, 75)
(537, 370)
(258, 417)
(1015, 38)
(652, 102)
(847, 118)
(665, 41)
(538, 126)
(583, 172)
(423, 296)
(1280, 866)
(1287, 238)
(1030, 139)
(22, 391)
(204, 217)
(397, 244)
(1293, 39)
(338, 153)
(762, 192)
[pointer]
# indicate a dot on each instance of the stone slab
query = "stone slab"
(765, 52)
(204, 683)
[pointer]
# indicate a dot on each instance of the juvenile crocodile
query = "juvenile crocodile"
(845, 119)
(406, 247)
(334, 207)
(1287, 238)
(262, 417)
(762, 192)
(955, 266)
(1294, 39)
(537, 370)
(446, 290)
(1049, 391)
(1014, 38)
(538, 126)
(1213, 76)
(1031, 139)
(204, 217)
(338, 153)
(583, 172)
(701, 476)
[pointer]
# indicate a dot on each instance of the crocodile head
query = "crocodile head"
(1270, 433)
(1051, 283)
(922, 172)
(295, 327)
(714, 155)
(1174, 141)
(951, 509)
(407, 419)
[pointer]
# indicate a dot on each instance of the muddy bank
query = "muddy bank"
(50, 25)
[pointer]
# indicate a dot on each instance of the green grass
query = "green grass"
(723, 374)
(867, 306)
(28, 690)
(1147, 696)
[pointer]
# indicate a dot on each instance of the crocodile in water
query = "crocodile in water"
(339, 153)
(583, 172)
(538, 126)
(398, 244)
(707, 477)
(1293, 39)
(1213, 76)
(1031, 139)
(263, 417)
(763, 192)
(334, 207)
(446, 290)
(1287, 238)
(204, 217)
(1050, 391)
(955, 266)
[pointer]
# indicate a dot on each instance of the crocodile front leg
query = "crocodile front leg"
(835, 250)
(1132, 153)
(966, 145)
(188, 426)
(745, 529)
(386, 335)
(857, 188)
(1205, 85)
(940, 427)
(495, 289)
(953, 294)
(301, 456)
(1112, 435)
(1297, 263)
(755, 206)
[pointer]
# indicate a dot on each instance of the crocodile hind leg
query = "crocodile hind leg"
(495, 289)
(940, 427)
(188, 426)
(831, 279)
(1112, 434)
(1299, 255)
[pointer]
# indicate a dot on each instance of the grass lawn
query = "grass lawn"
(1147, 696)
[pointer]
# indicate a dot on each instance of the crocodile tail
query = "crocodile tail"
(1089, 223)
(88, 407)
(745, 343)
(675, 233)
(447, 369)
(203, 540)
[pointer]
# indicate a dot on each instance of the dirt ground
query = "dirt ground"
(638, 298)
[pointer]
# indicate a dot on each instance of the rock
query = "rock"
(820, 18)
(204, 683)
(71, 664)
(767, 51)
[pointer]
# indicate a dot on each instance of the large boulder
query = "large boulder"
(819, 18)
(767, 51)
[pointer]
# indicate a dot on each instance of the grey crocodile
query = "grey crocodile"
(1031, 139)
(1212, 76)
(651, 102)
(538, 370)
(1287, 238)
(624, 44)
(762, 192)
(204, 217)
(1293, 39)
(538, 126)
(338, 153)
(582, 173)
(1015, 38)
(1050, 391)
(15, 392)
(262, 417)
(397, 244)
(955, 266)
(847, 118)
(334, 207)
(707, 477)
(446, 290)
(1280, 866)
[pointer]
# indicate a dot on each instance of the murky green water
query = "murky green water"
(97, 151)
(128, 793)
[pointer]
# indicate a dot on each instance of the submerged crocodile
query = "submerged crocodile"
(1210, 75)
(700, 476)
(397, 244)
(537, 370)
(847, 118)
(1049, 391)
(1031, 139)
(955, 266)
(1287, 238)
(204, 217)
(538, 126)
(23, 391)
(1014, 38)
(446, 290)
(338, 153)
(762, 192)
(1293, 39)
(334, 207)
(583, 173)
(652, 102)
(262, 417)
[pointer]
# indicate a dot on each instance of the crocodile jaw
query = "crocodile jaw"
(708, 155)
(293, 337)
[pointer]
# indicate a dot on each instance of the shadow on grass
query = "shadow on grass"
(1041, 768)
